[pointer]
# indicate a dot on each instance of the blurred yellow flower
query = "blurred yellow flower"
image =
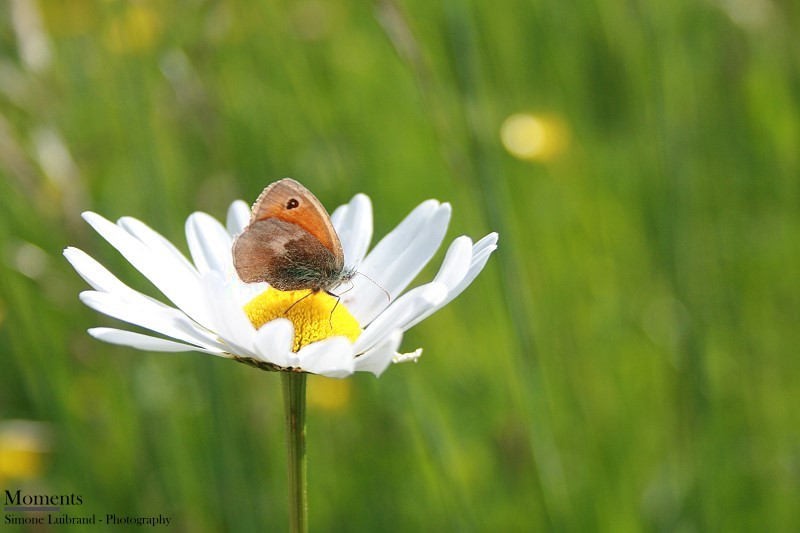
(23, 444)
(135, 31)
(328, 394)
(534, 137)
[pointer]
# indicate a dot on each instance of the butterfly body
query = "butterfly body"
(290, 242)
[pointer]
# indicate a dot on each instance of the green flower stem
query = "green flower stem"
(294, 406)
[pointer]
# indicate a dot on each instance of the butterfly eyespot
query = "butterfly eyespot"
(292, 203)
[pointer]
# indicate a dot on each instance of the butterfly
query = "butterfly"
(290, 242)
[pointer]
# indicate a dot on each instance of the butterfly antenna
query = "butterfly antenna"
(389, 296)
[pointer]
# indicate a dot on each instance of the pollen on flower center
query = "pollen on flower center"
(315, 316)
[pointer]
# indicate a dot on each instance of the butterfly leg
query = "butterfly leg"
(312, 291)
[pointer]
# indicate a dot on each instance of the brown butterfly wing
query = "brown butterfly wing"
(290, 201)
(284, 255)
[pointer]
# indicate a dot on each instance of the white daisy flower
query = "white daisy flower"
(214, 312)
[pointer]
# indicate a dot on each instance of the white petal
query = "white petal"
(96, 274)
(456, 262)
(292, 360)
(377, 359)
(242, 292)
(209, 243)
(338, 215)
(104, 281)
(163, 270)
(238, 217)
(158, 244)
(480, 255)
(227, 318)
(142, 342)
(489, 241)
(167, 321)
(397, 260)
(273, 341)
(401, 312)
(332, 357)
(353, 224)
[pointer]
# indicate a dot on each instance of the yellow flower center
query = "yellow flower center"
(316, 316)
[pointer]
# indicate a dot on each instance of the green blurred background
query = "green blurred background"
(628, 360)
